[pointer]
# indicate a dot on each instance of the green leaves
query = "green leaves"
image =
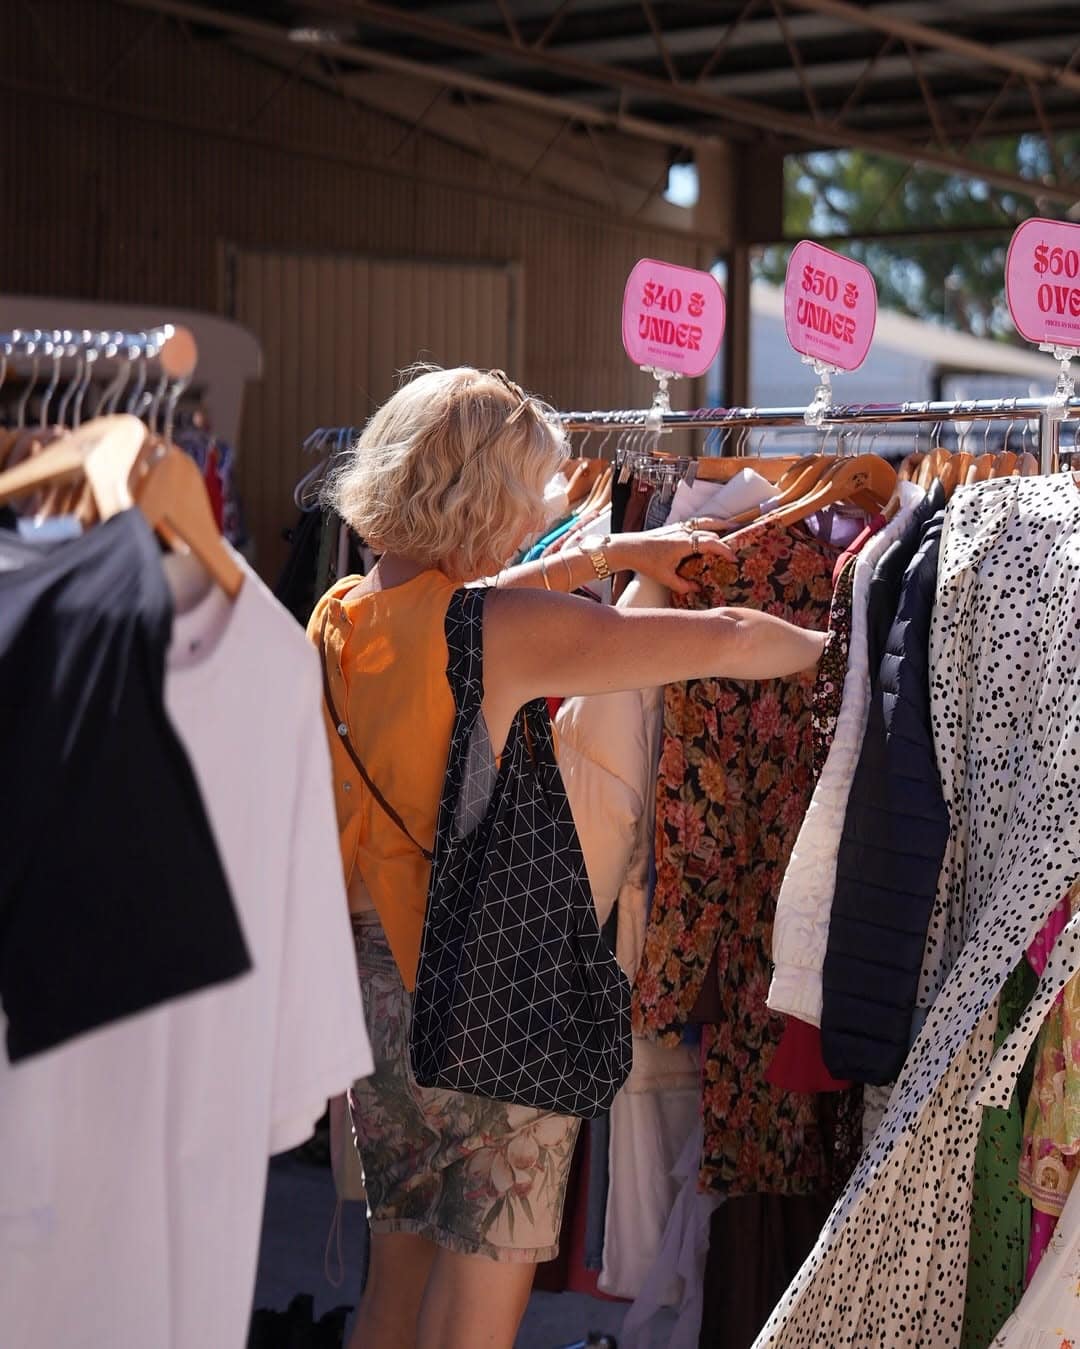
(954, 279)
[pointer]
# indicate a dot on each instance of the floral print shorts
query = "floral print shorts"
(476, 1176)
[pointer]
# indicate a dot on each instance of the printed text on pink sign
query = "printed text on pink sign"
(673, 317)
(1042, 281)
(657, 300)
(830, 306)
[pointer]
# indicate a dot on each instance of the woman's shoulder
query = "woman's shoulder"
(328, 603)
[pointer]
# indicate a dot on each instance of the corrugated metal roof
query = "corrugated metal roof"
(920, 79)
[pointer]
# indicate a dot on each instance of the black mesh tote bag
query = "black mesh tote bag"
(517, 996)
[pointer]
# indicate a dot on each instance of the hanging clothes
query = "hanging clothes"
(1000, 1211)
(743, 491)
(1005, 686)
(677, 1275)
(608, 754)
(735, 778)
(895, 830)
(115, 898)
(1049, 1314)
(609, 746)
(809, 881)
(132, 1197)
(1051, 1137)
(798, 1064)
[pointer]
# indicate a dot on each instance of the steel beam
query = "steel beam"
(682, 95)
(359, 55)
(864, 16)
(731, 110)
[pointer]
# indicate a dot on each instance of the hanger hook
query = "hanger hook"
(73, 351)
(159, 391)
(142, 341)
(110, 396)
(51, 348)
(92, 353)
(178, 387)
(24, 398)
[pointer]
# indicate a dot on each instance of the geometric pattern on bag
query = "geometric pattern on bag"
(518, 998)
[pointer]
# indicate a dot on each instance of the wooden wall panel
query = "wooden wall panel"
(133, 151)
(336, 331)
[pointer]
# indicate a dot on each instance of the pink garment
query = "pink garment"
(1038, 953)
(1043, 1225)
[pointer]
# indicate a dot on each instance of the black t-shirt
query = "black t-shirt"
(112, 894)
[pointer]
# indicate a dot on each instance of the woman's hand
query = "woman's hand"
(659, 553)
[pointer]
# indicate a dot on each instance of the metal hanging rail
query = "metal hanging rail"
(167, 352)
(1049, 412)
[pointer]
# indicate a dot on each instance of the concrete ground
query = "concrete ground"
(300, 1203)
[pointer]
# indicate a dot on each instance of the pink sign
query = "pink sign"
(830, 306)
(672, 318)
(1042, 282)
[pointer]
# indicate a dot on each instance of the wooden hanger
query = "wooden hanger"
(601, 491)
(956, 471)
(123, 466)
(582, 479)
(103, 452)
(932, 468)
(909, 469)
(803, 478)
(866, 472)
(171, 493)
(717, 468)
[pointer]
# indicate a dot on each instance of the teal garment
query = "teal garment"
(563, 527)
(1000, 1213)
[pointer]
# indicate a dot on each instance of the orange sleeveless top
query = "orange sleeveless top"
(386, 659)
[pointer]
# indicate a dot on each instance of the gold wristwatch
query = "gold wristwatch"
(594, 551)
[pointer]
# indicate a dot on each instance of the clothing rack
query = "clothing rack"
(1049, 412)
(167, 352)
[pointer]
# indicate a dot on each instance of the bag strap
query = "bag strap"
(343, 731)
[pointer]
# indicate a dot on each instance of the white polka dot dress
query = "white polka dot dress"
(889, 1269)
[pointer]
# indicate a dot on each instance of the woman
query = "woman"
(446, 483)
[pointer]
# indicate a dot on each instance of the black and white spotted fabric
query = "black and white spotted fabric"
(889, 1269)
(517, 996)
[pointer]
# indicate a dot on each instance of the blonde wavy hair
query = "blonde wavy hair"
(451, 470)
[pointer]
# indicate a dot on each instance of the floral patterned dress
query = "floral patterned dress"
(736, 776)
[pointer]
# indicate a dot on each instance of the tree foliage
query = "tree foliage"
(954, 279)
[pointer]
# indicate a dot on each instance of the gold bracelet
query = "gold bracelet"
(543, 573)
(569, 571)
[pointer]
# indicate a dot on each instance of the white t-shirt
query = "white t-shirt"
(742, 492)
(133, 1160)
